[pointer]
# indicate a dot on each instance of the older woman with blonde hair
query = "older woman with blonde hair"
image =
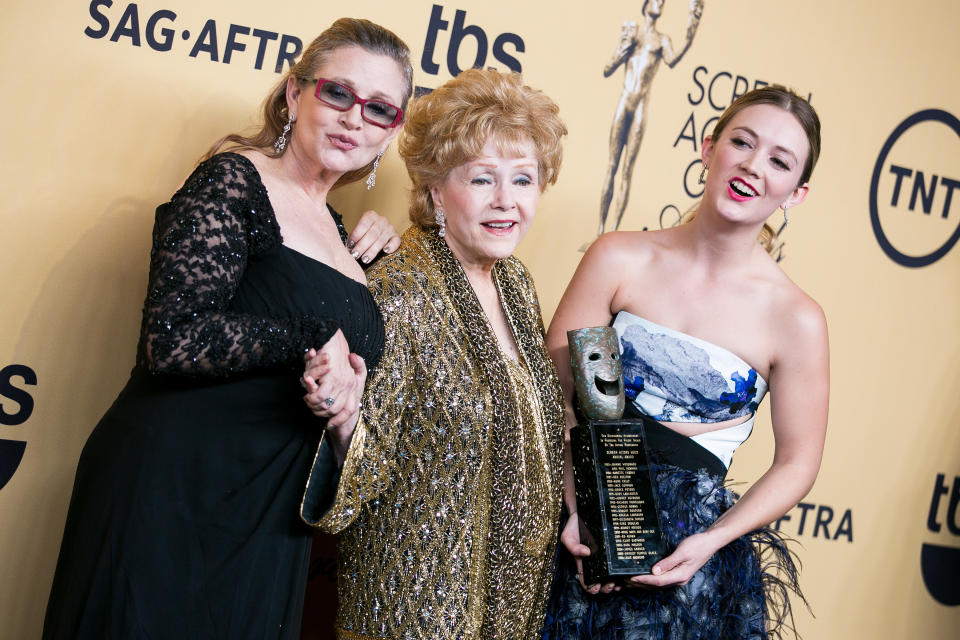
(450, 496)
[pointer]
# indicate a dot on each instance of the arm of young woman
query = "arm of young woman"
(587, 302)
(799, 390)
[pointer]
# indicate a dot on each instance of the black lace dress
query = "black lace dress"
(184, 520)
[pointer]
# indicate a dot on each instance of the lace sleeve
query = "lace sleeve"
(202, 239)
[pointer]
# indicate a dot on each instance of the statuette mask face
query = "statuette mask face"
(597, 372)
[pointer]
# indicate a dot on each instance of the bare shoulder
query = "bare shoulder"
(801, 320)
(613, 265)
(257, 158)
(622, 250)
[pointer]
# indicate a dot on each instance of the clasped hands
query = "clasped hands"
(333, 379)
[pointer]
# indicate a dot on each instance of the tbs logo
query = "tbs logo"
(940, 564)
(475, 43)
(914, 199)
(11, 451)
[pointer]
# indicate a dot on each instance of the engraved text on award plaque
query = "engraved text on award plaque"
(619, 519)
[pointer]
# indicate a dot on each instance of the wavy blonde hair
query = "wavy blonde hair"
(345, 32)
(450, 126)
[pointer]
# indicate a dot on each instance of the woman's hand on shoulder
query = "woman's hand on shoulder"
(373, 234)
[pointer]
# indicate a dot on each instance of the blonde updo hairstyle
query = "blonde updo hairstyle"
(778, 96)
(345, 32)
(450, 126)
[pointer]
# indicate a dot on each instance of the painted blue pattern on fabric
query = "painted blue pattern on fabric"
(632, 387)
(682, 378)
(744, 393)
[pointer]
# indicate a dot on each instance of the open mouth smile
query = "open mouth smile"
(740, 190)
(499, 227)
(607, 387)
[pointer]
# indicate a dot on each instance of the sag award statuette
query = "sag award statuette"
(616, 504)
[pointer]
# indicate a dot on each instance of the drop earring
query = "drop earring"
(441, 222)
(281, 142)
(786, 220)
(372, 178)
(703, 175)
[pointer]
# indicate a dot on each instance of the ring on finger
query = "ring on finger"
(329, 401)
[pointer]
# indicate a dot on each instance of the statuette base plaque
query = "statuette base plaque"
(616, 503)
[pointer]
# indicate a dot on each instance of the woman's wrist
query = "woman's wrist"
(342, 435)
(719, 535)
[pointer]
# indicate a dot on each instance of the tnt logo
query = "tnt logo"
(913, 208)
(11, 395)
(940, 564)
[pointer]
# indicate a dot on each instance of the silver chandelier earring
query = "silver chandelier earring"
(281, 142)
(703, 175)
(372, 178)
(441, 221)
(786, 220)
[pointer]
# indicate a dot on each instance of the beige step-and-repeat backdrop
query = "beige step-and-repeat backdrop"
(108, 104)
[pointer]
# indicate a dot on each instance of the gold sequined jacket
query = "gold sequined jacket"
(449, 501)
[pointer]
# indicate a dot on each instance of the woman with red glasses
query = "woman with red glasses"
(184, 517)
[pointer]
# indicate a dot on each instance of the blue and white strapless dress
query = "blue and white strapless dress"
(742, 591)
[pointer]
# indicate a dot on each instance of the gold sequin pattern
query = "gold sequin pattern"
(450, 495)
(522, 522)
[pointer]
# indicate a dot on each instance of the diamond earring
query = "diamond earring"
(441, 219)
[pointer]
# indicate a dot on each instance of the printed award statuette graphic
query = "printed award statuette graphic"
(640, 51)
(616, 504)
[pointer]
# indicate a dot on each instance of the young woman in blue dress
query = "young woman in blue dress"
(708, 322)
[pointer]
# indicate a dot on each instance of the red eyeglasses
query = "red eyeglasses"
(335, 95)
